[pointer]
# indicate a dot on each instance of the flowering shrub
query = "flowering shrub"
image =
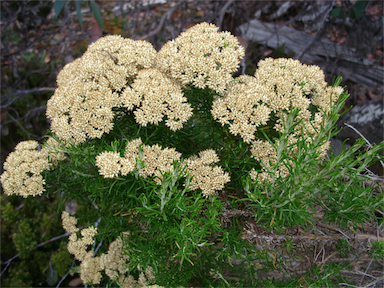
(175, 158)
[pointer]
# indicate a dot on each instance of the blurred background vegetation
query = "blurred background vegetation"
(39, 37)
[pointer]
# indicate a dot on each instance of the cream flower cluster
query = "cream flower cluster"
(294, 83)
(201, 56)
(114, 72)
(78, 247)
(243, 107)
(206, 177)
(158, 96)
(279, 85)
(23, 168)
(69, 222)
(113, 263)
(89, 87)
(156, 160)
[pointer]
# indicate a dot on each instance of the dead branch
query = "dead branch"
(23, 92)
(319, 32)
(222, 12)
(350, 65)
(252, 235)
(162, 20)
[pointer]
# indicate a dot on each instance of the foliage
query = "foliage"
(24, 225)
(357, 10)
(59, 5)
(342, 197)
(377, 250)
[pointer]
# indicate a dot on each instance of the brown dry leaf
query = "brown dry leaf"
(96, 30)
(3, 116)
(242, 42)
(47, 58)
(176, 15)
(71, 207)
(341, 41)
(375, 10)
(371, 58)
(75, 282)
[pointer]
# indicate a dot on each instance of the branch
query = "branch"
(37, 246)
(374, 282)
(23, 92)
(18, 124)
(162, 20)
(252, 235)
(232, 213)
(319, 32)
(365, 139)
(65, 276)
(222, 12)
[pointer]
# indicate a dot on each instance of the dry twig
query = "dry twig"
(162, 20)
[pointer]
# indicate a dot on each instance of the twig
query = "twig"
(233, 213)
(310, 237)
(357, 272)
(23, 92)
(333, 228)
(222, 12)
(350, 260)
(37, 246)
(374, 282)
(21, 126)
(318, 33)
(366, 270)
(326, 259)
(365, 139)
(110, 55)
(162, 20)
(349, 285)
(66, 275)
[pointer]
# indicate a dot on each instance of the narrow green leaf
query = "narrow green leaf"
(335, 12)
(358, 9)
(52, 277)
(78, 11)
(96, 13)
(337, 81)
(58, 6)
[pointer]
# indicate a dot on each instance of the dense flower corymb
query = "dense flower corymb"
(201, 56)
(295, 84)
(69, 222)
(157, 96)
(243, 107)
(90, 87)
(278, 87)
(156, 160)
(206, 177)
(113, 263)
(23, 168)
(108, 164)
